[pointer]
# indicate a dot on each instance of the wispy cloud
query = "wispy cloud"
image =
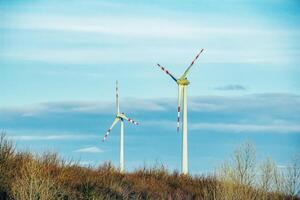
(131, 104)
(117, 28)
(282, 166)
(239, 128)
(230, 127)
(278, 101)
(50, 137)
(87, 163)
(145, 26)
(278, 113)
(231, 87)
(58, 107)
(136, 54)
(92, 149)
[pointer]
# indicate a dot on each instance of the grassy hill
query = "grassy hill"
(27, 176)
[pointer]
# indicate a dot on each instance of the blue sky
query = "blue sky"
(59, 62)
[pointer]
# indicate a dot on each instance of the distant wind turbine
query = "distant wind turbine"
(120, 117)
(182, 83)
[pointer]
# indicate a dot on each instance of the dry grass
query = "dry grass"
(43, 177)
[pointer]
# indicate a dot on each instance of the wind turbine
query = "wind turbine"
(182, 83)
(120, 117)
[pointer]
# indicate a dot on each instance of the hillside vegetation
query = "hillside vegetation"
(26, 176)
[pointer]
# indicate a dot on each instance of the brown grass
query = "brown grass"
(43, 177)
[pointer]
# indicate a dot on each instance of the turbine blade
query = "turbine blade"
(167, 72)
(179, 104)
(192, 63)
(107, 133)
(130, 120)
(117, 98)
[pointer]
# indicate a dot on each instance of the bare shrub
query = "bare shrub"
(237, 176)
(33, 182)
(267, 175)
(7, 165)
(241, 178)
(291, 182)
(24, 176)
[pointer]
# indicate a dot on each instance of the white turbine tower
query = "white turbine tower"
(182, 83)
(120, 117)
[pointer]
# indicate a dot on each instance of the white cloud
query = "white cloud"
(150, 29)
(87, 163)
(99, 107)
(51, 137)
(229, 127)
(137, 54)
(237, 128)
(282, 166)
(167, 124)
(142, 104)
(258, 113)
(145, 26)
(59, 107)
(231, 87)
(205, 106)
(92, 149)
(111, 25)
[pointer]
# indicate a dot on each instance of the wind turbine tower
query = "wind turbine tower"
(182, 83)
(120, 117)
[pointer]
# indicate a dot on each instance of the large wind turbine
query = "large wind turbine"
(120, 117)
(182, 83)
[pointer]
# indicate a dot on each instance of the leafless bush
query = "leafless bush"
(267, 175)
(241, 168)
(291, 182)
(32, 183)
(46, 176)
(242, 178)
(7, 165)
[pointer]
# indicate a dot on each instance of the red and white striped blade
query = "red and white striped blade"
(167, 72)
(109, 130)
(192, 63)
(130, 120)
(178, 106)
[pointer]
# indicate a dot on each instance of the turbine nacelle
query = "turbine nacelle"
(183, 81)
(120, 115)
